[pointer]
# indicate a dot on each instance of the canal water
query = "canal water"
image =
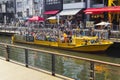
(103, 57)
(77, 68)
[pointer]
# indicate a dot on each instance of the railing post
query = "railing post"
(7, 52)
(92, 71)
(53, 64)
(26, 57)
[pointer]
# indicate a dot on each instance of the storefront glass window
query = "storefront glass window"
(98, 1)
(19, 4)
(72, 1)
(50, 2)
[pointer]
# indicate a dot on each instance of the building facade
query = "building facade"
(26, 8)
(73, 10)
(7, 10)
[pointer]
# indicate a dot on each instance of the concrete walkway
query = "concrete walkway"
(11, 71)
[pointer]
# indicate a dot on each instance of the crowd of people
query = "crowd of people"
(63, 34)
(62, 31)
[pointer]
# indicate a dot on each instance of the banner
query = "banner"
(89, 24)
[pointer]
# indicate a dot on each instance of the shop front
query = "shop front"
(52, 7)
(72, 13)
(102, 12)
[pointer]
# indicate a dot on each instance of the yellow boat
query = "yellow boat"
(82, 44)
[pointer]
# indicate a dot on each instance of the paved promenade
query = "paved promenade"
(11, 71)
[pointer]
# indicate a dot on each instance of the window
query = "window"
(72, 1)
(19, 4)
(27, 2)
(98, 1)
(50, 2)
(36, 1)
(19, 14)
(0, 6)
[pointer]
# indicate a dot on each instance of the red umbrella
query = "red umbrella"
(36, 18)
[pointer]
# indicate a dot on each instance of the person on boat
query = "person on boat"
(104, 35)
(86, 42)
(65, 37)
(91, 32)
(82, 33)
(109, 33)
(62, 39)
(81, 25)
(69, 36)
(47, 37)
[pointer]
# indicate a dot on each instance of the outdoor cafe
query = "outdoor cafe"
(113, 15)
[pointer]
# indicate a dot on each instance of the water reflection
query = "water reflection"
(103, 57)
(76, 70)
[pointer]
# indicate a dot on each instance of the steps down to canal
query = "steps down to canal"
(10, 71)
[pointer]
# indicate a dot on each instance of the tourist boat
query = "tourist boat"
(81, 43)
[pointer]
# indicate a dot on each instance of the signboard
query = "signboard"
(89, 24)
(53, 5)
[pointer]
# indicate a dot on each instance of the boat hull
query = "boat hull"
(93, 48)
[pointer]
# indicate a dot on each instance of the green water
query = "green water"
(103, 57)
(76, 69)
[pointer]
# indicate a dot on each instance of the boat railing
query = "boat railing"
(70, 66)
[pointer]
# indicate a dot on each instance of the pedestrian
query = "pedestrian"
(81, 25)
(109, 33)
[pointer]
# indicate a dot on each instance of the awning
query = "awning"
(112, 9)
(69, 12)
(51, 12)
(93, 12)
(104, 9)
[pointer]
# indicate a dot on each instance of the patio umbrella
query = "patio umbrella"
(102, 24)
(52, 17)
(36, 18)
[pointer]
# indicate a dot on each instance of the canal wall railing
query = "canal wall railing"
(102, 33)
(9, 30)
(78, 68)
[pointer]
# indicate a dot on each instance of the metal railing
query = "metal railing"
(78, 68)
(9, 29)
